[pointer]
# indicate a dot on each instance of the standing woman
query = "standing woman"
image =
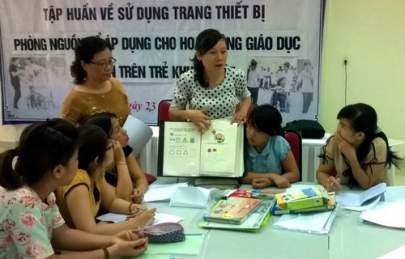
(94, 90)
(211, 90)
(30, 223)
(358, 153)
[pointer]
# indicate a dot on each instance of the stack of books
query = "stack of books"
(310, 199)
(238, 213)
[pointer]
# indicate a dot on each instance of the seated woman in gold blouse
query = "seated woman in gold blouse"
(358, 154)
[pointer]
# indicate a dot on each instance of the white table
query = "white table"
(349, 238)
(311, 149)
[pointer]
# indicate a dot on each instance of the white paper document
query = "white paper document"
(357, 198)
(194, 197)
(318, 223)
(161, 192)
(366, 205)
(138, 132)
(389, 214)
(398, 253)
(159, 218)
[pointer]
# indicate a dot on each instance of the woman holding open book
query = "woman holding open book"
(358, 153)
(211, 90)
(80, 200)
(269, 159)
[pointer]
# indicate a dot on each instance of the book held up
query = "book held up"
(184, 151)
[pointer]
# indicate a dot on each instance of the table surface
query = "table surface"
(349, 237)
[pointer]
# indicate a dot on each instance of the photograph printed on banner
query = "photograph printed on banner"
(287, 84)
(35, 83)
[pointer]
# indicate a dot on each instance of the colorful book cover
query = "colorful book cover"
(301, 199)
(263, 194)
(233, 210)
(255, 221)
(329, 204)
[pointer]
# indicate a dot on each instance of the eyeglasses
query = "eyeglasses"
(110, 62)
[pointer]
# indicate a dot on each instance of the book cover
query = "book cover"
(302, 199)
(233, 210)
(329, 204)
(255, 221)
(216, 152)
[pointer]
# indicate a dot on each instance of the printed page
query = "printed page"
(219, 146)
(181, 149)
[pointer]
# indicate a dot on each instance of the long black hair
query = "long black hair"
(266, 118)
(205, 41)
(42, 147)
(85, 51)
(93, 144)
(103, 120)
(363, 118)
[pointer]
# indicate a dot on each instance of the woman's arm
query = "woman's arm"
(291, 172)
(78, 204)
(138, 176)
(66, 238)
(325, 175)
(124, 186)
(240, 116)
(126, 243)
(375, 172)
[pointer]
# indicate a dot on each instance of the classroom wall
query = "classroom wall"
(370, 35)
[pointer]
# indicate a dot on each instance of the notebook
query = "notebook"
(233, 210)
(255, 221)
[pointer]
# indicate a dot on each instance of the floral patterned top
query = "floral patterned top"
(27, 224)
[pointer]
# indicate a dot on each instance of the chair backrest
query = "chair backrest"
(295, 141)
(163, 111)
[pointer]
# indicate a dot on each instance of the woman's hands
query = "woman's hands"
(142, 216)
(119, 156)
(128, 243)
(199, 118)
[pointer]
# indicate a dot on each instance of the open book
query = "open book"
(186, 152)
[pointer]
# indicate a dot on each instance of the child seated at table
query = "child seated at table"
(80, 200)
(30, 222)
(124, 172)
(269, 160)
(358, 153)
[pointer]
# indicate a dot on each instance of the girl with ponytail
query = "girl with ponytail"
(46, 158)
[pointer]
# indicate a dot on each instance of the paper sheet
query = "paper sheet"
(389, 214)
(396, 254)
(161, 192)
(138, 132)
(367, 205)
(194, 197)
(159, 218)
(357, 198)
(318, 223)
